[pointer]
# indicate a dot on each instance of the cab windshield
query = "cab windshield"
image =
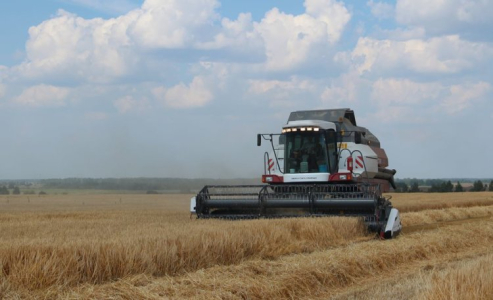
(306, 152)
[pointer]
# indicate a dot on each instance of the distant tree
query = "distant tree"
(11, 185)
(415, 187)
(402, 187)
(434, 188)
(434, 182)
(491, 186)
(16, 191)
(152, 192)
(478, 186)
(29, 192)
(4, 190)
(448, 187)
(441, 187)
(459, 188)
(42, 193)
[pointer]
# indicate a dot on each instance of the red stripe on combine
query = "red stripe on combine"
(359, 161)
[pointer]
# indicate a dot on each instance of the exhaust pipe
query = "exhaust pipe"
(388, 175)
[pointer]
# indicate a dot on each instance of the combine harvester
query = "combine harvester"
(322, 164)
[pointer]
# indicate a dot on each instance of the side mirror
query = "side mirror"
(282, 139)
(357, 137)
(259, 140)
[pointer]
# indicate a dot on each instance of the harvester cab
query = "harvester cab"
(307, 151)
(326, 146)
(321, 164)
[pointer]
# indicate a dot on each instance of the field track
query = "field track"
(260, 259)
(425, 227)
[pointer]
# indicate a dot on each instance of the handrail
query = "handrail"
(266, 162)
(269, 138)
(351, 153)
(364, 164)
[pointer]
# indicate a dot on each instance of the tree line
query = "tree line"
(193, 185)
(439, 186)
(5, 191)
(141, 184)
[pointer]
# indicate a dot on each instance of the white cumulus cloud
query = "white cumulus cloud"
(3, 89)
(381, 10)
(3, 75)
(43, 95)
(289, 40)
(171, 23)
(463, 95)
(196, 94)
(396, 114)
(68, 46)
(404, 91)
(333, 13)
(283, 94)
(402, 34)
(99, 50)
(344, 89)
(71, 48)
(264, 86)
(447, 54)
(238, 37)
(441, 16)
(403, 99)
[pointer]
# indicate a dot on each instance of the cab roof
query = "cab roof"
(329, 115)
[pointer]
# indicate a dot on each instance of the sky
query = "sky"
(180, 88)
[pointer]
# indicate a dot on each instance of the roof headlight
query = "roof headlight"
(316, 129)
(303, 129)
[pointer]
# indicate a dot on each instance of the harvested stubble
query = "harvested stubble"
(96, 248)
(305, 275)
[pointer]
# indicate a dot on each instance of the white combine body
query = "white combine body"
(322, 164)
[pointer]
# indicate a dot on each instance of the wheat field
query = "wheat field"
(149, 247)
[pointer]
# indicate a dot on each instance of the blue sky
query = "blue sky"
(168, 88)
